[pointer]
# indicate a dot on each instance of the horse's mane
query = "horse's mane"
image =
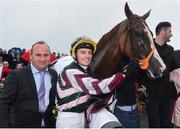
(108, 47)
(110, 35)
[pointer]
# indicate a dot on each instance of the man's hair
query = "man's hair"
(39, 42)
(162, 25)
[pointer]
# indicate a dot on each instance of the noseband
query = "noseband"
(143, 63)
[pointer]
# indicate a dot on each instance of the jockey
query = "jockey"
(76, 87)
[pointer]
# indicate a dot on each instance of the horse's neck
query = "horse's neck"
(105, 61)
(111, 48)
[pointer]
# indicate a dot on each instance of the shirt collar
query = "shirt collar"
(35, 70)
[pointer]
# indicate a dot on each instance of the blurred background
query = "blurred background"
(59, 22)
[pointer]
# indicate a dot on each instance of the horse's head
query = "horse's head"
(142, 45)
(131, 38)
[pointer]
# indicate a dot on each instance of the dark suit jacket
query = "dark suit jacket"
(19, 101)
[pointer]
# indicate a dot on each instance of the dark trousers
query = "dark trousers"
(158, 110)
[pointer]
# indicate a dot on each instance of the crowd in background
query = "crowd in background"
(14, 58)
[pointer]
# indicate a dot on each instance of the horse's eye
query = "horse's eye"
(128, 27)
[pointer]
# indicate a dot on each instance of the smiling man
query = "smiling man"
(25, 99)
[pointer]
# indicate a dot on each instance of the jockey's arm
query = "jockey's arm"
(90, 85)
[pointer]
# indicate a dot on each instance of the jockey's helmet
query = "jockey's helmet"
(82, 42)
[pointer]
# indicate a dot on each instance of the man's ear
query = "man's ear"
(30, 56)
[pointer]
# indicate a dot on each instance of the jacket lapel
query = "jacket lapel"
(32, 84)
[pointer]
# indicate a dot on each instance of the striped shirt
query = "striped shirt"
(76, 86)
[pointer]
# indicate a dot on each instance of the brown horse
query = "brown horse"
(131, 38)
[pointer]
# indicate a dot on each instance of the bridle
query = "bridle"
(143, 63)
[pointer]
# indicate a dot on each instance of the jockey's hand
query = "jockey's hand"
(130, 70)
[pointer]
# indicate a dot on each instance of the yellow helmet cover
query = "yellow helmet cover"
(82, 42)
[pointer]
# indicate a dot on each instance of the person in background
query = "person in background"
(19, 65)
(125, 108)
(76, 87)
(161, 91)
(6, 69)
(174, 77)
(1, 59)
(1, 71)
(1, 66)
(28, 95)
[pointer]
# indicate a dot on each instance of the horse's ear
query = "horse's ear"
(128, 12)
(146, 15)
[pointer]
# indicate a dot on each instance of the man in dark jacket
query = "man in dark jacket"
(28, 98)
(161, 90)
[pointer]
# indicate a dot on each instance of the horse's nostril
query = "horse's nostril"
(159, 75)
(157, 72)
(158, 69)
